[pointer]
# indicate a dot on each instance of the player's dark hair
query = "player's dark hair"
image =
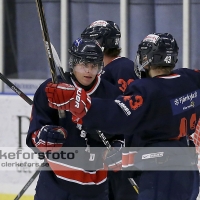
(165, 69)
(112, 52)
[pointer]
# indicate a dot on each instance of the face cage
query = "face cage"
(74, 61)
(140, 65)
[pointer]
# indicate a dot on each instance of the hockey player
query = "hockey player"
(120, 72)
(49, 133)
(117, 70)
(161, 110)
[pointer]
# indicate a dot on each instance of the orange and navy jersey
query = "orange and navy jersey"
(152, 110)
(70, 176)
(120, 72)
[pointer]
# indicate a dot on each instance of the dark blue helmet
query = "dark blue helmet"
(157, 49)
(85, 51)
(107, 33)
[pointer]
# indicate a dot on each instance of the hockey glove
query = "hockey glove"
(49, 138)
(64, 96)
(113, 157)
(59, 95)
(80, 104)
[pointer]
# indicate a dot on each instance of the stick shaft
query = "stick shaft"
(46, 40)
(47, 45)
(30, 102)
(16, 89)
(134, 185)
(108, 146)
(28, 184)
(104, 139)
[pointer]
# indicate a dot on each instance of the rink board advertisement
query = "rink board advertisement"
(14, 118)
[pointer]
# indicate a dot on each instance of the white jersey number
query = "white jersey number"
(168, 59)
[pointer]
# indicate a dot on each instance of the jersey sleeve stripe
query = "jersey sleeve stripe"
(78, 175)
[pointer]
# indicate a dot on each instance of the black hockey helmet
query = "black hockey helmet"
(85, 51)
(157, 49)
(107, 33)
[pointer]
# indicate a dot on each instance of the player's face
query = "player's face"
(85, 72)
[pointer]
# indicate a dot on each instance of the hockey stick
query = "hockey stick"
(107, 144)
(16, 89)
(58, 62)
(47, 45)
(30, 102)
(134, 184)
(28, 183)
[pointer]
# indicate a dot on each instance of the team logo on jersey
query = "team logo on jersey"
(176, 102)
(192, 104)
(185, 102)
(188, 97)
